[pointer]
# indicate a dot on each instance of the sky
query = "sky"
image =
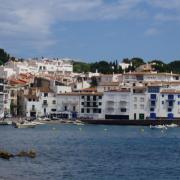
(91, 30)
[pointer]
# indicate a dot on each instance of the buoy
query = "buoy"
(105, 129)
(142, 130)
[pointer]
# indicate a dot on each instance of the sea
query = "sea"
(91, 152)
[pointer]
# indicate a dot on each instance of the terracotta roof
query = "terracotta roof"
(170, 91)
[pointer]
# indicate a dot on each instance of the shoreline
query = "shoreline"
(100, 122)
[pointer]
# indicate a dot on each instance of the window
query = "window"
(33, 107)
(1, 88)
(33, 99)
(135, 99)
(94, 98)
(135, 106)
(88, 98)
(162, 95)
(153, 96)
(178, 95)
(65, 108)
(53, 110)
(141, 99)
(82, 97)
(54, 102)
(100, 97)
(82, 110)
(45, 94)
(171, 103)
(44, 102)
(162, 102)
(153, 103)
(82, 103)
(170, 96)
(99, 111)
(29, 99)
(100, 103)
(74, 108)
(142, 106)
(151, 109)
(123, 109)
(169, 110)
(94, 104)
(178, 102)
(88, 110)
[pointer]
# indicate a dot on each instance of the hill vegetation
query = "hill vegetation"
(108, 67)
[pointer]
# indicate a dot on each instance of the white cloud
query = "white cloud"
(32, 22)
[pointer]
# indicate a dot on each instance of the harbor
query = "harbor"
(66, 151)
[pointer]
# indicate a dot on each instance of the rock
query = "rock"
(30, 154)
(5, 155)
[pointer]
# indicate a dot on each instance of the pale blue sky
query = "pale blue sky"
(91, 29)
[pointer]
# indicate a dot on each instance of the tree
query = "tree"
(174, 66)
(159, 66)
(4, 57)
(136, 62)
(81, 67)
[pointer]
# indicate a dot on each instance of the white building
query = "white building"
(68, 105)
(117, 104)
(39, 102)
(124, 65)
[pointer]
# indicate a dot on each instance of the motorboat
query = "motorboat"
(158, 127)
(25, 125)
(171, 125)
(79, 123)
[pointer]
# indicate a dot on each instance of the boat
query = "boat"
(79, 123)
(4, 123)
(171, 125)
(25, 125)
(158, 127)
(37, 123)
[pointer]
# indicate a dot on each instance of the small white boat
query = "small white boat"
(158, 127)
(79, 123)
(37, 123)
(171, 125)
(25, 125)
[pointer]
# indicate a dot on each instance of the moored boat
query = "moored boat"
(25, 125)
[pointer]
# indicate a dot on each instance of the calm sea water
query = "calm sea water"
(91, 153)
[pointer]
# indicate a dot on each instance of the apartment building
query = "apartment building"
(117, 104)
